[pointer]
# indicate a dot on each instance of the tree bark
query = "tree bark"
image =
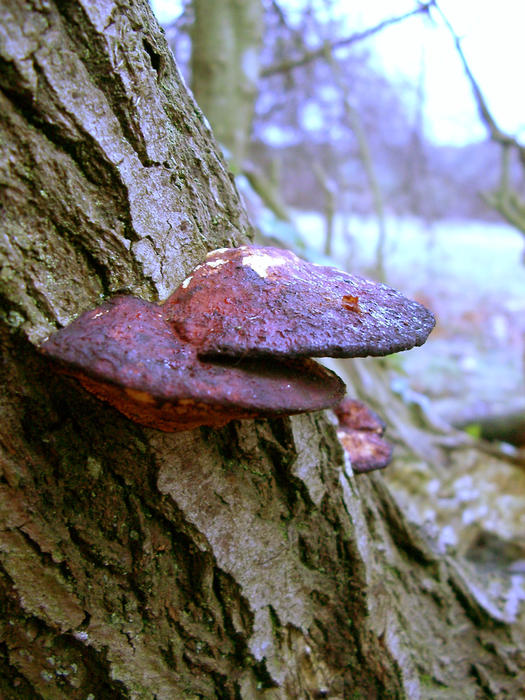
(246, 562)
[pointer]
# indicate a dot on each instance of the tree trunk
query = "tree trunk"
(246, 562)
(226, 40)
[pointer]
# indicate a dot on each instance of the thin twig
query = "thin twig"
(485, 115)
(320, 51)
(504, 199)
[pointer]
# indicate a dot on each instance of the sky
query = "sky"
(492, 40)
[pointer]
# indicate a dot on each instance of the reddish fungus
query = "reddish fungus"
(355, 415)
(360, 432)
(234, 341)
(126, 353)
(282, 306)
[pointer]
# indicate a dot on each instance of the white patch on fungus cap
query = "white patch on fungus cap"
(187, 281)
(260, 262)
(216, 263)
(100, 313)
(217, 250)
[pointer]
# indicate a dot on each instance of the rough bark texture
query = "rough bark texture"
(246, 562)
(110, 180)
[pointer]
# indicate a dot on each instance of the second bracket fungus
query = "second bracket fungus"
(255, 301)
(360, 432)
(235, 340)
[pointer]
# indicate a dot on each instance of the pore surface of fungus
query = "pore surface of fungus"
(260, 301)
(126, 353)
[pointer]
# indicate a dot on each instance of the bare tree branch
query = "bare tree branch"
(486, 117)
(504, 199)
(320, 52)
(266, 190)
(329, 205)
(279, 12)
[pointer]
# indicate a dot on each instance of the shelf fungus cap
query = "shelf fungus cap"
(255, 301)
(126, 353)
(360, 432)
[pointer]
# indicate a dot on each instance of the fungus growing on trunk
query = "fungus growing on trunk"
(360, 432)
(254, 301)
(126, 353)
(234, 340)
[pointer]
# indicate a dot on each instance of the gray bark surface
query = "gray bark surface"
(247, 562)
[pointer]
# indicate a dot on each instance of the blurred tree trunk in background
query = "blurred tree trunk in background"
(246, 562)
(226, 40)
(354, 123)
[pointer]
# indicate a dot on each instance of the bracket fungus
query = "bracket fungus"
(360, 431)
(235, 340)
(255, 301)
(127, 354)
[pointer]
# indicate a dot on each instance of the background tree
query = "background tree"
(226, 41)
(244, 562)
(300, 116)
